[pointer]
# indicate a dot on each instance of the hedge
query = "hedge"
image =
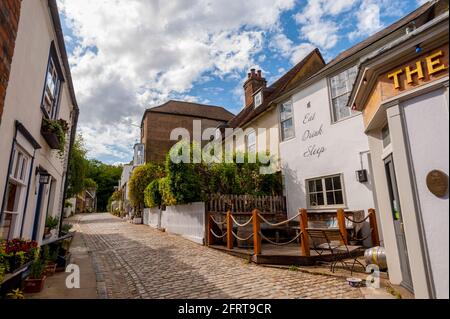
(152, 195)
(140, 178)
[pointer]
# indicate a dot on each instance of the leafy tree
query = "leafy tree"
(107, 177)
(141, 177)
(78, 166)
(152, 194)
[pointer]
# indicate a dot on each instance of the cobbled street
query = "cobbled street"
(136, 261)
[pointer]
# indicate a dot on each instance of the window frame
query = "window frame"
(324, 191)
(18, 175)
(331, 98)
(260, 95)
(53, 60)
(247, 146)
(282, 137)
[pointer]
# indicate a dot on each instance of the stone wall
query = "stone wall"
(9, 23)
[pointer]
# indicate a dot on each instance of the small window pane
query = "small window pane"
(287, 129)
(320, 199)
(330, 198)
(340, 108)
(319, 185)
(311, 186)
(328, 184)
(313, 200)
(337, 182)
(339, 199)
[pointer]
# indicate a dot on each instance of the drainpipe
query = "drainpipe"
(66, 180)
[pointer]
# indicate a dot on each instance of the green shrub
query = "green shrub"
(152, 194)
(167, 197)
(142, 176)
(52, 222)
(187, 180)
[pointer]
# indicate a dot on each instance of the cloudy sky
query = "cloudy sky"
(128, 55)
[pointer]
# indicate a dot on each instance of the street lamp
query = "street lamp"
(44, 177)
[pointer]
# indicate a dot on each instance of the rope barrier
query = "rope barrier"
(218, 223)
(357, 222)
(277, 224)
(241, 225)
(280, 244)
(217, 236)
(242, 239)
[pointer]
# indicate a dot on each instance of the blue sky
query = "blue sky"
(129, 55)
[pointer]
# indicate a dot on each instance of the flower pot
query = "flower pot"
(34, 285)
(50, 269)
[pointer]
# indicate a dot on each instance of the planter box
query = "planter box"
(34, 285)
(51, 139)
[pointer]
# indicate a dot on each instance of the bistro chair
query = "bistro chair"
(332, 241)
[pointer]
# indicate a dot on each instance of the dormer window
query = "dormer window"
(52, 87)
(258, 99)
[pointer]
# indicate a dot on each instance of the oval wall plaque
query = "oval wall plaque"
(437, 183)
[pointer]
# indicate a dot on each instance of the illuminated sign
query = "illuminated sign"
(433, 66)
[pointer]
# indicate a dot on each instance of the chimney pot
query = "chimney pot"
(259, 73)
(249, 75)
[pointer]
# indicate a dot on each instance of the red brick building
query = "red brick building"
(158, 122)
(9, 23)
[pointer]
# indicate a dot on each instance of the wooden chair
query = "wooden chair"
(332, 240)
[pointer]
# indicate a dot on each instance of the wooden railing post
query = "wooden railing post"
(341, 223)
(304, 232)
(208, 229)
(374, 227)
(229, 231)
(256, 231)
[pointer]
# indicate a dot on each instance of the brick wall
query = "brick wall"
(157, 128)
(9, 22)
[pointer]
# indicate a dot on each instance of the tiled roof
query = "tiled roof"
(193, 109)
(283, 84)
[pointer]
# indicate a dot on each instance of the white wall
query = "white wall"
(151, 217)
(340, 145)
(27, 76)
(427, 124)
(185, 220)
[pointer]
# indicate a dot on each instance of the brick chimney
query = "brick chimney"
(254, 82)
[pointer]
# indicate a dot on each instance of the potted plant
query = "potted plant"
(15, 294)
(54, 133)
(50, 260)
(50, 224)
(35, 281)
(65, 228)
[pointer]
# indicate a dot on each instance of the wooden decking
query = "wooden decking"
(280, 255)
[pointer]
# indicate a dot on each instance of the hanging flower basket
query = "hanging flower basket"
(54, 133)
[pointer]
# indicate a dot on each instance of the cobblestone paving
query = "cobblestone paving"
(136, 261)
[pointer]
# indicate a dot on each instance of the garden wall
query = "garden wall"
(185, 220)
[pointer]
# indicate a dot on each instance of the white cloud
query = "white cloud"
(286, 47)
(316, 23)
(132, 54)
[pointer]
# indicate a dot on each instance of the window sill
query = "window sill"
(287, 140)
(346, 118)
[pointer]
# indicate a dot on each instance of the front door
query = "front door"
(38, 213)
(398, 223)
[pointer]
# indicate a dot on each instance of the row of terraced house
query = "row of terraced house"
(38, 118)
(369, 129)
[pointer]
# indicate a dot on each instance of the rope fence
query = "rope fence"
(256, 219)
(280, 244)
(278, 224)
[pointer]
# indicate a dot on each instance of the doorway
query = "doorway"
(398, 223)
